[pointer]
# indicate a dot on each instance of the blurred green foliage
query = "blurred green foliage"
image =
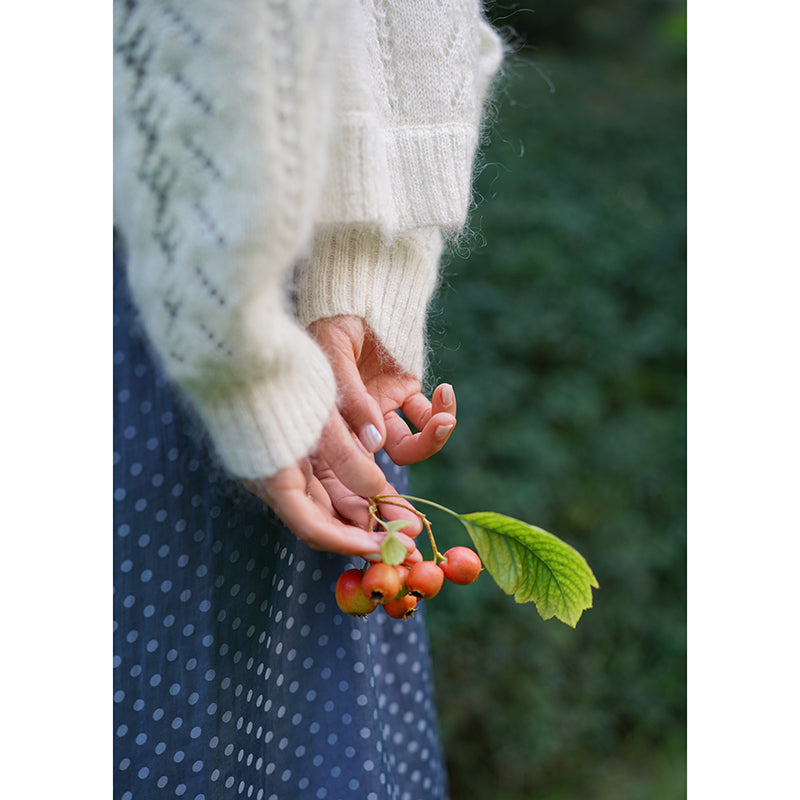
(562, 327)
(618, 26)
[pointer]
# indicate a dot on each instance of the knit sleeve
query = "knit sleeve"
(387, 283)
(221, 128)
(411, 97)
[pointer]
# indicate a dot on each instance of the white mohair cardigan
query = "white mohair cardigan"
(280, 161)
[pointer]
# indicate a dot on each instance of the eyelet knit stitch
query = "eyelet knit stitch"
(254, 136)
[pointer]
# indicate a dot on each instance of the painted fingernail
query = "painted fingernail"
(448, 397)
(370, 437)
(443, 431)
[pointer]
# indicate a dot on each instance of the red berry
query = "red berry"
(350, 596)
(381, 582)
(402, 571)
(424, 580)
(462, 565)
(402, 607)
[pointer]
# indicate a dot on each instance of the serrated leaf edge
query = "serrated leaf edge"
(468, 520)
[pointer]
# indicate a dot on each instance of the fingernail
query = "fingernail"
(373, 557)
(443, 431)
(447, 394)
(370, 437)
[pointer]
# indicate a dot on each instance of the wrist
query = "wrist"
(389, 285)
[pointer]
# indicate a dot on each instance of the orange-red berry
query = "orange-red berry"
(461, 565)
(350, 596)
(402, 607)
(402, 571)
(381, 582)
(425, 579)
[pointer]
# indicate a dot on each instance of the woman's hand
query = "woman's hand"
(372, 391)
(322, 498)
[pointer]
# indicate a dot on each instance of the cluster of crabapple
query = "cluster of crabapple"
(397, 589)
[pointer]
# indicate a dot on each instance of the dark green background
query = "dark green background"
(561, 325)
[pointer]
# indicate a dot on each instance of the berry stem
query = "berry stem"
(374, 519)
(437, 556)
(381, 498)
(384, 498)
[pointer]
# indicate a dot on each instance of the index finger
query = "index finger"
(322, 531)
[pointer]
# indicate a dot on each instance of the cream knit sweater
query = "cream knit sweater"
(280, 161)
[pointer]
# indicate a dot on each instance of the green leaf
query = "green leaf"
(394, 525)
(533, 565)
(393, 551)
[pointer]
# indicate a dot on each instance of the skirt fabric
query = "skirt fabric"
(235, 673)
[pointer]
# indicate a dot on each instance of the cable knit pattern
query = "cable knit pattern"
(411, 89)
(335, 136)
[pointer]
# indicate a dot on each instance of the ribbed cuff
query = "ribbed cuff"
(433, 169)
(271, 423)
(399, 179)
(354, 271)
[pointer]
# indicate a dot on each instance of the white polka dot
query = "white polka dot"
(226, 616)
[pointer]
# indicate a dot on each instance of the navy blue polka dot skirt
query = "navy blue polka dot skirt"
(235, 674)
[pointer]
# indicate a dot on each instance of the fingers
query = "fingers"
(344, 455)
(295, 499)
(339, 337)
(405, 447)
(400, 509)
(418, 409)
(355, 509)
(371, 412)
(434, 420)
(349, 506)
(287, 493)
(358, 408)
